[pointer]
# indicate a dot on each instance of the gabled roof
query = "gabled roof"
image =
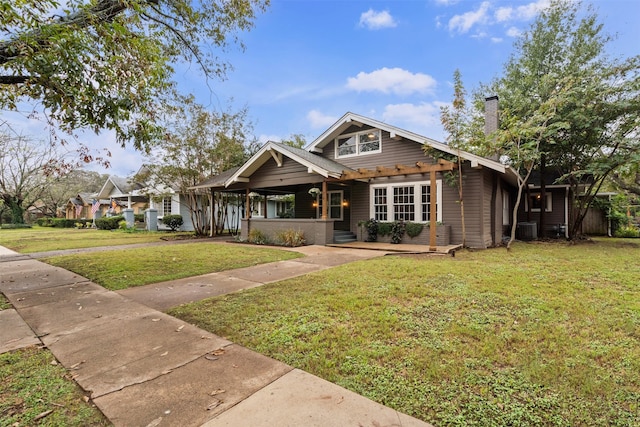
(217, 180)
(117, 187)
(275, 150)
(350, 119)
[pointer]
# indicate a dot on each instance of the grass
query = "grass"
(35, 390)
(42, 239)
(547, 334)
(135, 267)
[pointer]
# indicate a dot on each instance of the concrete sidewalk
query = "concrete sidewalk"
(145, 368)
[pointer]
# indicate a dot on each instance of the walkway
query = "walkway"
(145, 368)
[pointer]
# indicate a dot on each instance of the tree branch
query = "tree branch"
(13, 80)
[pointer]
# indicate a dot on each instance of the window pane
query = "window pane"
(346, 146)
(403, 204)
(380, 204)
(369, 141)
(426, 203)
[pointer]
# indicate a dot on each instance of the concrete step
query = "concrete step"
(342, 236)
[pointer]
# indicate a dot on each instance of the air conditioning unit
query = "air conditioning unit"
(527, 231)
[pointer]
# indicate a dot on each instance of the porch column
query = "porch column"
(432, 211)
(247, 208)
(325, 200)
(265, 206)
(129, 201)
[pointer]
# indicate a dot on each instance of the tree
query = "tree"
(596, 122)
(106, 64)
(456, 124)
(296, 140)
(25, 171)
(198, 144)
(60, 188)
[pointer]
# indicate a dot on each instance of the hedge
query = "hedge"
(109, 223)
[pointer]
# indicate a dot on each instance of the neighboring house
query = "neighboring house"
(79, 207)
(360, 169)
(168, 201)
(121, 193)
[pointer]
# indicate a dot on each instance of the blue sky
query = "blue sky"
(308, 62)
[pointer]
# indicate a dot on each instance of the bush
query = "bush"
(258, 237)
(109, 223)
(413, 229)
(44, 222)
(372, 230)
(172, 221)
(397, 231)
(290, 237)
(63, 222)
(385, 228)
(14, 226)
(627, 231)
(138, 217)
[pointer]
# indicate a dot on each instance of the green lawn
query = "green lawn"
(35, 391)
(41, 239)
(547, 334)
(134, 267)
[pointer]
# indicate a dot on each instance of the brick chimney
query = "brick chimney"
(491, 119)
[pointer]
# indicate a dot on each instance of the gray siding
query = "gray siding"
(290, 173)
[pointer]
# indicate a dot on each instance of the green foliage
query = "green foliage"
(109, 222)
(138, 217)
(291, 237)
(174, 222)
(413, 229)
(397, 231)
(14, 226)
(372, 226)
(257, 237)
(51, 47)
(385, 228)
(627, 231)
(44, 222)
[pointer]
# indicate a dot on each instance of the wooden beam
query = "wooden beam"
(277, 157)
(325, 200)
(433, 221)
(382, 171)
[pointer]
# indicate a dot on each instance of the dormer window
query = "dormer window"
(367, 142)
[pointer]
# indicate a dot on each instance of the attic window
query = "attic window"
(366, 142)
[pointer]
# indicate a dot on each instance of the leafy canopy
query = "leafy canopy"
(107, 64)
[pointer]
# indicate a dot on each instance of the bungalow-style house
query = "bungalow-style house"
(79, 207)
(121, 193)
(361, 169)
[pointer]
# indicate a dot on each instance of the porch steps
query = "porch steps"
(341, 236)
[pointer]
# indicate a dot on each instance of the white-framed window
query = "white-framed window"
(534, 202)
(410, 201)
(380, 204)
(335, 209)
(166, 206)
(355, 144)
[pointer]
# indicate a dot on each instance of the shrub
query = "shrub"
(290, 237)
(627, 231)
(14, 226)
(172, 221)
(109, 223)
(397, 231)
(138, 217)
(372, 230)
(384, 228)
(44, 222)
(63, 223)
(258, 237)
(413, 229)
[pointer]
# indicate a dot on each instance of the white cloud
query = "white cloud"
(374, 20)
(496, 39)
(421, 118)
(521, 13)
(320, 120)
(392, 80)
(446, 2)
(514, 32)
(463, 23)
